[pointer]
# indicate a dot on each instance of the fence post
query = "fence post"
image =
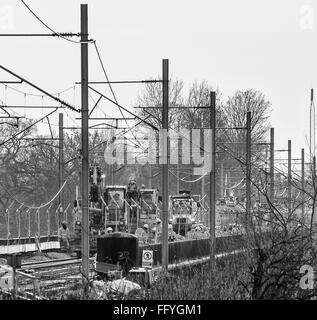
(29, 223)
(38, 222)
(57, 216)
(48, 221)
(18, 211)
(8, 222)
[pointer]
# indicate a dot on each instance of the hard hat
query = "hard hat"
(146, 226)
(64, 222)
(158, 220)
(109, 229)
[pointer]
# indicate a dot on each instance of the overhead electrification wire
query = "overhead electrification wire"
(32, 207)
(39, 89)
(236, 185)
(44, 24)
(191, 181)
(263, 159)
(4, 107)
(34, 94)
(261, 169)
(112, 92)
(180, 134)
(27, 128)
(96, 104)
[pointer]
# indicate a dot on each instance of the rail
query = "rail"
(52, 263)
(36, 289)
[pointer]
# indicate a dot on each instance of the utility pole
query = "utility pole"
(289, 180)
(165, 157)
(61, 165)
(303, 184)
(213, 178)
(248, 172)
(84, 146)
(272, 165)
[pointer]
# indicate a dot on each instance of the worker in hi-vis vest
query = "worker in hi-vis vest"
(143, 233)
(64, 234)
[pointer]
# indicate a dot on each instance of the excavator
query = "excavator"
(123, 208)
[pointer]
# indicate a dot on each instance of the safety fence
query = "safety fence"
(179, 251)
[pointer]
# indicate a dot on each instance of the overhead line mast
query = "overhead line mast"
(84, 148)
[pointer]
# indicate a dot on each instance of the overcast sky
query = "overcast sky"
(269, 45)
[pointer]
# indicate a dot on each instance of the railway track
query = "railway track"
(50, 271)
(52, 275)
(50, 263)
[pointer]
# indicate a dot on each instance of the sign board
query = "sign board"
(147, 258)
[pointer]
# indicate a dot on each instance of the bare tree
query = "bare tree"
(237, 106)
(278, 239)
(150, 100)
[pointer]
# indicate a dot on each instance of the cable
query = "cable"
(4, 107)
(31, 207)
(275, 168)
(72, 119)
(104, 71)
(180, 134)
(114, 96)
(43, 23)
(118, 136)
(34, 94)
(236, 185)
(27, 128)
(192, 181)
(281, 172)
(97, 106)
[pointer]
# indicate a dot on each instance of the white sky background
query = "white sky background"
(232, 44)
